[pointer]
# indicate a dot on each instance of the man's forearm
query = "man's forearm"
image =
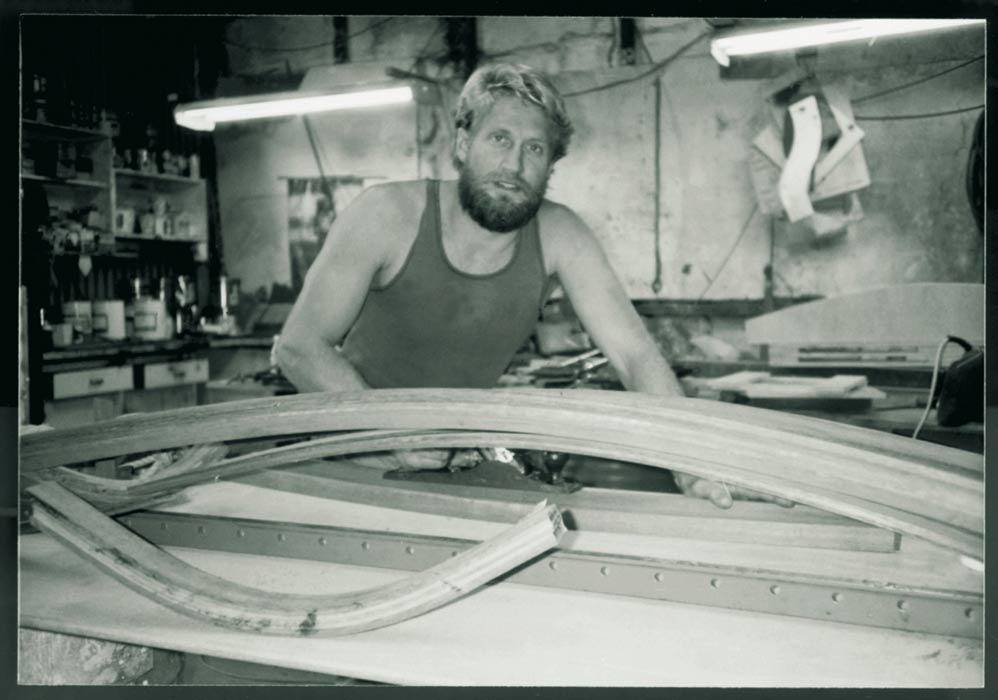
(320, 367)
(650, 373)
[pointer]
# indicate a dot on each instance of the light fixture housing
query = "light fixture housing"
(798, 36)
(203, 116)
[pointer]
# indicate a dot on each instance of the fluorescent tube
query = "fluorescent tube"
(831, 32)
(203, 116)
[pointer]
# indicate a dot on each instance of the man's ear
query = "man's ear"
(461, 144)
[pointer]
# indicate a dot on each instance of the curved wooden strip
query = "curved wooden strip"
(625, 512)
(152, 572)
(320, 412)
(959, 502)
(345, 444)
(856, 508)
(676, 429)
(795, 178)
(959, 508)
(910, 454)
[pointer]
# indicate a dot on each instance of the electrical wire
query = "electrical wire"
(895, 117)
(905, 86)
(654, 69)
(422, 52)
(932, 387)
(640, 40)
(326, 190)
(371, 27)
(311, 47)
(731, 251)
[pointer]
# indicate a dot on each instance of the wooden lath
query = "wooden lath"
(925, 491)
(158, 575)
(590, 510)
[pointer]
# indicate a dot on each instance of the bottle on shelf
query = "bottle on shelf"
(40, 90)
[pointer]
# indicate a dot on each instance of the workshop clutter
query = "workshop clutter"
(157, 162)
(807, 162)
(161, 311)
(44, 102)
(157, 219)
(64, 160)
(81, 230)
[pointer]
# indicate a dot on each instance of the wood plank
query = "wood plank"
(745, 455)
(918, 564)
(158, 575)
(758, 523)
(902, 313)
(839, 386)
(302, 414)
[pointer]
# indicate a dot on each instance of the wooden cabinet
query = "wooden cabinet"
(87, 382)
(84, 396)
(166, 374)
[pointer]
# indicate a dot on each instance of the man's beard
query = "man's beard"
(499, 215)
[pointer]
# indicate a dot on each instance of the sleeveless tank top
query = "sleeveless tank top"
(433, 325)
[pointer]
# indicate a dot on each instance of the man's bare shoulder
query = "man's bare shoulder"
(388, 199)
(559, 225)
(380, 218)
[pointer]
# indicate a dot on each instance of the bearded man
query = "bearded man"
(438, 283)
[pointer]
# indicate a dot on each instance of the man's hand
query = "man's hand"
(722, 495)
(417, 460)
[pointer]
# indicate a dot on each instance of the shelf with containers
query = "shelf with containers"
(74, 167)
(160, 206)
(85, 258)
(96, 206)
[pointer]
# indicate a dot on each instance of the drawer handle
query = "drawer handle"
(96, 381)
(178, 373)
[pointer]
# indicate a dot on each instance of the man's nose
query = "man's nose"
(513, 160)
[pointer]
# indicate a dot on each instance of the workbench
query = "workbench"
(503, 634)
(898, 413)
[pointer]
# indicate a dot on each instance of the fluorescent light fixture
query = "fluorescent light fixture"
(830, 32)
(203, 116)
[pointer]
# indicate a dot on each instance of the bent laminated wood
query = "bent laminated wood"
(593, 509)
(859, 509)
(903, 490)
(154, 573)
(590, 510)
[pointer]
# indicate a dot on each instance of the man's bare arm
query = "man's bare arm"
(604, 308)
(610, 318)
(334, 291)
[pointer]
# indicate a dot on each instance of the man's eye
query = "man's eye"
(499, 138)
(537, 149)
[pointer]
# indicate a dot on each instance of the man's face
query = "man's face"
(506, 164)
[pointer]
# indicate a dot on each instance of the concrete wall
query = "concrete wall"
(917, 224)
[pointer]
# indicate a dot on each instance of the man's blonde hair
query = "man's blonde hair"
(499, 79)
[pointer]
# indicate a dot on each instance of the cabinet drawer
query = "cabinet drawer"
(161, 374)
(91, 381)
